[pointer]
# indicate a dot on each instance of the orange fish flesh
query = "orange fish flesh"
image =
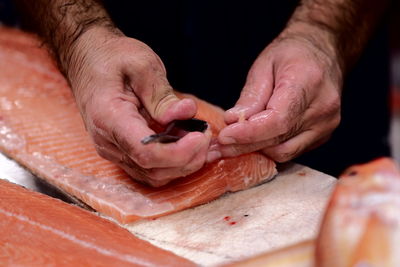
(38, 230)
(41, 128)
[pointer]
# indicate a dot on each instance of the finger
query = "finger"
(167, 174)
(236, 150)
(121, 124)
(152, 177)
(113, 154)
(158, 155)
(175, 154)
(109, 151)
(160, 176)
(150, 84)
(269, 125)
(283, 115)
(295, 146)
(213, 152)
(281, 120)
(256, 92)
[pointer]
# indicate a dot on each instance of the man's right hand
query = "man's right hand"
(118, 82)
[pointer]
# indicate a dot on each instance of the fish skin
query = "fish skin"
(38, 230)
(40, 127)
(361, 226)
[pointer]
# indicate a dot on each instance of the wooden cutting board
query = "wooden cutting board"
(240, 225)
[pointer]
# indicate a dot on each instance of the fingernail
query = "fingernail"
(213, 156)
(226, 140)
(214, 146)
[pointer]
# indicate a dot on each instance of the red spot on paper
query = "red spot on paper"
(302, 173)
(227, 218)
(154, 219)
(232, 223)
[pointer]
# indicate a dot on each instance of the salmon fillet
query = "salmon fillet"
(41, 128)
(38, 230)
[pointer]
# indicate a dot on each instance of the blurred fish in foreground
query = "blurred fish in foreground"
(360, 228)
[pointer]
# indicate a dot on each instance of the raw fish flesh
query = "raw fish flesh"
(37, 230)
(41, 128)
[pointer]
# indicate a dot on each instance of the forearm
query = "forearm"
(60, 22)
(339, 28)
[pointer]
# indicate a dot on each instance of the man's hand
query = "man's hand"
(291, 100)
(120, 85)
(290, 103)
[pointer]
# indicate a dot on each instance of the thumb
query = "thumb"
(151, 86)
(164, 105)
(255, 93)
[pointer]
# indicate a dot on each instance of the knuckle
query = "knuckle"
(143, 159)
(316, 74)
(248, 138)
(159, 178)
(97, 119)
(125, 160)
(334, 104)
(189, 169)
(336, 121)
(121, 143)
(141, 67)
(135, 172)
(235, 150)
(148, 62)
(155, 183)
(282, 153)
(97, 139)
(283, 127)
(156, 176)
(281, 158)
(290, 131)
(102, 153)
(332, 112)
(331, 124)
(276, 157)
(284, 84)
(248, 92)
(279, 139)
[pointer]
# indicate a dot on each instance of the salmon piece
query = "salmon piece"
(361, 226)
(41, 128)
(38, 230)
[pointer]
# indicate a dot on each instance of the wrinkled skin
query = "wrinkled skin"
(114, 79)
(289, 104)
